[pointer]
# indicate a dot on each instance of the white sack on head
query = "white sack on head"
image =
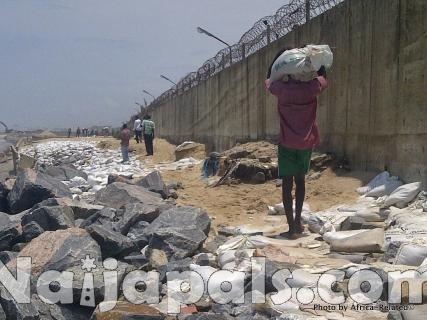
(302, 62)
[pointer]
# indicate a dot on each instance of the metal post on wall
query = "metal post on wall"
(307, 10)
(243, 51)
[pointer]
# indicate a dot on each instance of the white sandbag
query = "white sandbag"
(403, 195)
(411, 255)
(319, 224)
(371, 215)
(379, 180)
(385, 189)
(278, 209)
(302, 61)
(366, 241)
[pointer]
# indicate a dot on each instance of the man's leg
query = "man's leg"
(151, 145)
(146, 142)
(299, 200)
(287, 186)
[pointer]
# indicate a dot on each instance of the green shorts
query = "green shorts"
(293, 161)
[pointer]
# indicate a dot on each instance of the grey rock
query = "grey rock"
(3, 315)
(81, 209)
(182, 218)
(64, 172)
(31, 230)
(50, 218)
(59, 312)
(32, 187)
(112, 243)
(136, 212)
(59, 250)
(15, 310)
(18, 246)
(118, 194)
(212, 244)
(4, 204)
(179, 232)
(178, 265)
(107, 217)
(6, 256)
(136, 234)
(137, 260)
(154, 182)
(117, 178)
(9, 231)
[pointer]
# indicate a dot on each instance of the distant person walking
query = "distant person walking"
(148, 131)
(299, 134)
(137, 127)
(69, 132)
(78, 131)
(124, 142)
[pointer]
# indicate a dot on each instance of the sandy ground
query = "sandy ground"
(242, 203)
(247, 203)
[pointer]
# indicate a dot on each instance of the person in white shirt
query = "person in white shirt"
(138, 129)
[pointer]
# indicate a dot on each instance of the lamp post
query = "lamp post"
(307, 10)
(201, 30)
(146, 92)
(166, 78)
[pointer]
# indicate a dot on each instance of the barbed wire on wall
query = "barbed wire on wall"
(264, 31)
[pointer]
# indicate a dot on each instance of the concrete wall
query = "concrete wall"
(374, 111)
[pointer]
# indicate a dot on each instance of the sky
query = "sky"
(69, 63)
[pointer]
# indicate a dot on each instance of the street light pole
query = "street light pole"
(166, 78)
(307, 10)
(201, 30)
(146, 92)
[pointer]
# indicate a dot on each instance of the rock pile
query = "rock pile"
(133, 254)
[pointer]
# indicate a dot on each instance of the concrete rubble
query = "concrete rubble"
(135, 227)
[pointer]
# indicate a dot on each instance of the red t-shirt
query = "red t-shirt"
(125, 137)
(297, 106)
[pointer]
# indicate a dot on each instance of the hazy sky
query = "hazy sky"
(82, 62)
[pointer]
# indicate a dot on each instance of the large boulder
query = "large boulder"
(154, 182)
(15, 310)
(136, 212)
(49, 218)
(179, 232)
(59, 250)
(107, 217)
(4, 204)
(32, 187)
(118, 194)
(136, 234)
(10, 231)
(64, 172)
(81, 209)
(38, 310)
(112, 243)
